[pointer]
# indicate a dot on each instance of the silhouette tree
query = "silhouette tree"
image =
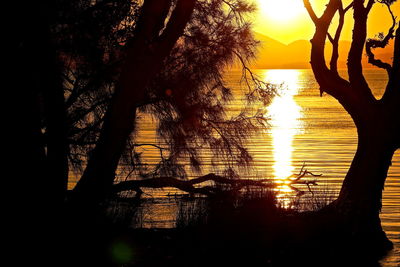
(377, 120)
(77, 55)
(91, 66)
(172, 64)
(145, 54)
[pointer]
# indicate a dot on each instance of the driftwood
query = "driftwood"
(190, 187)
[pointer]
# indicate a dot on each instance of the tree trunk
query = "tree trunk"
(359, 201)
(145, 57)
(377, 121)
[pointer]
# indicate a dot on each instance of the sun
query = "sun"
(280, 10)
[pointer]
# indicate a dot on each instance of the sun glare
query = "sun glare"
(284, 115)
(280, 10)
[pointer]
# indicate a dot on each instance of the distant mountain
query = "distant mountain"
(273, 54)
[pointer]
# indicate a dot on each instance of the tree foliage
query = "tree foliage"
(188, 97)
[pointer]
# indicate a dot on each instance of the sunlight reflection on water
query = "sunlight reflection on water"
(305, 128)
(284, 115)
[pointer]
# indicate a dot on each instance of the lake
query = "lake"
(304, 129)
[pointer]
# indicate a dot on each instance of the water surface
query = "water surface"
(304, 129)
(317, 131)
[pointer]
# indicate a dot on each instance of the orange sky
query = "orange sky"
(295, 24)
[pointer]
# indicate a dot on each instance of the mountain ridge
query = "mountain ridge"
(272, 54)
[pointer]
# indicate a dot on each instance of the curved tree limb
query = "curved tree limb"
(354, 95)
(335, 40)
(354, 59)
(392, 92)
(380, 43)
(328, 80)
(311, 11)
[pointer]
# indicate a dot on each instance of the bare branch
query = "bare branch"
(311, 11)
(348, 7)
(369, 5)
(371, 44)
(392, 92)
(335, 41)
(330, 38)
(354, 65)
(381, 42)
(328, 80)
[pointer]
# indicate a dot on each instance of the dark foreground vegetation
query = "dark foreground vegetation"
(83, 71)
(249, 228)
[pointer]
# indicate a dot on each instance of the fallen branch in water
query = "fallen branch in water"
(209, 190)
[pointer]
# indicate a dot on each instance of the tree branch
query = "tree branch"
(354, 65)
(330, 38)
(335, 40)
(262, 89)
(392, 92)
(176, 24)
(348, 7)
(311, 11)
(328, 80)
(369, 5)
(380, 43)
(189, 185)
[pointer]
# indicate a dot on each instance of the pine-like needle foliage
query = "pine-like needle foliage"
(187, 100)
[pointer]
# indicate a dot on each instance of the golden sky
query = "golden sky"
(288, 21)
